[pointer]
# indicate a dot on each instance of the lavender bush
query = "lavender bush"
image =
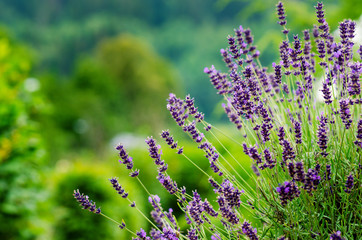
(304, 143)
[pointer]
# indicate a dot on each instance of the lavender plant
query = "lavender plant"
(304, 142)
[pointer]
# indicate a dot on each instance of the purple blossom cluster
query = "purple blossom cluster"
(85, 202)
(261, 161)
(125, 159)
(287, 192)
(312, 180)
(228, 200)
(196, 210)
(358, 142)
(142, 235)
(345, 112)
(170, 141)
(249, 231)
(118, 188)
(336, 236)
(158, 215)
(182, 109)
(323, 135)
(212, 155)
(349, 184)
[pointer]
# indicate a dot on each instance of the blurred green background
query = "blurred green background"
(77, 77)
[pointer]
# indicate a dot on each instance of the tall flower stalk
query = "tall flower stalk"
(306, 154)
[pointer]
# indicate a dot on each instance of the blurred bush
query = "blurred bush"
(71, 222)
(21, 148)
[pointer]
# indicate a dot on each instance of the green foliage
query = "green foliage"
(21, 150)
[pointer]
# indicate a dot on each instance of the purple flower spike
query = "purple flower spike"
(122, 226)
(118, 187)
(312, 180)
(343, 31)
(277, 73)
(299, 172)
(281, 16)
(321, 20)
(327, 95)
(349, 184)
(323, 135)
(249, 231)
(358, 142)
(298, 132)
(135, 173)
(336, 236)
(215, 236)
(354, 86)
(125, 159)
(359, 51)
(167, 183)
(154, 151)
(345, 112)
(328, 172)
(85, 202)
(192, 234)
(287, 192)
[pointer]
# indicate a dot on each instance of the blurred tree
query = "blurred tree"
(21, 149)
(123, 88)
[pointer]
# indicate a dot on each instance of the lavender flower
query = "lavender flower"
(312, 180)
(281, 16)
(215, 236)
(323, 24)
(281, 135)
(354, 86)
(336, 236)
(125, 159)
(345, 112)
(157, 212)
(358, 142)
(227, 212)
(169, 139)
(349, 184)
(359, 51)
(298, 132)
(328, 172)
(327, 95)
(232, 116)
(154, 151)
(195, 209)
(249, 231)
(288, 152)
(122, 225)
(287, 192)
(85, 202)
(218, 80)
(142, 235)
(323, 136)
(167, 183)
(192, 234)
(135, 173)
(269, 161)
(118, 187)
(231, 193)
(299, 172)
